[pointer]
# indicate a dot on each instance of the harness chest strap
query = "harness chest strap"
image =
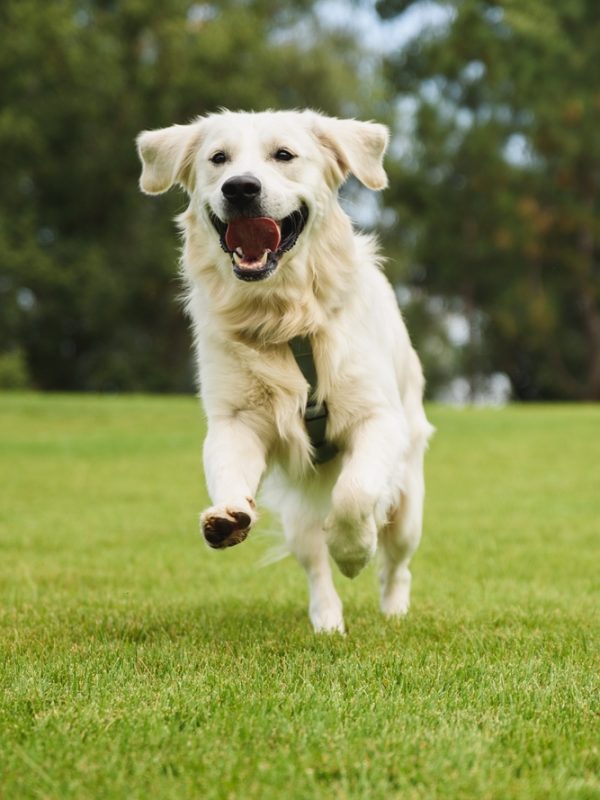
(315, 416)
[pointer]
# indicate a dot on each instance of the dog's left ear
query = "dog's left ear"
(167, 156)
(357, 147)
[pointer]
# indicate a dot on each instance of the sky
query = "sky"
(377, 34)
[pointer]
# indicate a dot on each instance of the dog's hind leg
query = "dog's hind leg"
(400, 537)
(306, 540)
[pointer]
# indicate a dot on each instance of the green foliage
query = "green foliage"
(501, 191)
(13, 371)
(441, 359)
(79, 80)
(137, 663)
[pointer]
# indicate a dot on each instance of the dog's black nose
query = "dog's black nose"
(241, 190)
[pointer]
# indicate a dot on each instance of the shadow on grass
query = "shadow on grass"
(278, 627)
(239, 634)
(221, 623)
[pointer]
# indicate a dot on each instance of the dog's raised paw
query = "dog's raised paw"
(352, 543)
(351, 564)
(225, 526)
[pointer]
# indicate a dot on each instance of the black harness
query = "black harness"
(315, 416)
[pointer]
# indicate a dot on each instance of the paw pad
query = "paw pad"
(222, 531)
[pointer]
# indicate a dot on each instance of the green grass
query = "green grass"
(136, 663)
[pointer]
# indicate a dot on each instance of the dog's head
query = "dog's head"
(258, 180)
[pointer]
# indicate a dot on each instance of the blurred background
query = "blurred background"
(490, 224)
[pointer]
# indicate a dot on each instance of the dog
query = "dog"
(270, 259)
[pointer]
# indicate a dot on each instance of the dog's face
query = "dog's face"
(257, 181)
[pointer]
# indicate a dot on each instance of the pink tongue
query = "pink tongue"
(253, 236)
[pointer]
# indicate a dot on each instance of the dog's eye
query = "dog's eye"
(218, 158)
(283, 155)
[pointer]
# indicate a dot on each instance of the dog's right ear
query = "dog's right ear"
(167, 156)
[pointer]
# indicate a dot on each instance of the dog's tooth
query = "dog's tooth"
(243, 262)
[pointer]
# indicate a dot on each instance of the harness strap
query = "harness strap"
(315, 416)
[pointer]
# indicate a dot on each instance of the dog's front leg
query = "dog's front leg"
(234, 461)
(368, 485)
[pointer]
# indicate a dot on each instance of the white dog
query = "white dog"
(273, 268)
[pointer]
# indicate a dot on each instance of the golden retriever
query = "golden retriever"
(270, 258)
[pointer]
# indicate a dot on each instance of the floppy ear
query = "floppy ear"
(167, 157)
(358, 148)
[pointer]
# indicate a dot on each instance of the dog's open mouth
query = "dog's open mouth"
(256, 244)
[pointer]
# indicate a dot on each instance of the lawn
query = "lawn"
(136, 663)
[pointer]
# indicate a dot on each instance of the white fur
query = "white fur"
(329, 287)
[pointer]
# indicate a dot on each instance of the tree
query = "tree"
(500, 192)
(88, 267)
